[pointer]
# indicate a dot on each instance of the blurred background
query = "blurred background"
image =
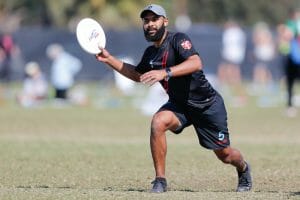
(30, 26)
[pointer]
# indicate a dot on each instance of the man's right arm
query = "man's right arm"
(125, 69)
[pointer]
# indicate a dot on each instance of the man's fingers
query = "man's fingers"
(100, 47)
(148, 79)
(151, 77)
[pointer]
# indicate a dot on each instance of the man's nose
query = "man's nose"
(151, 23)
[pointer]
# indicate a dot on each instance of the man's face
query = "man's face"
(154, 26)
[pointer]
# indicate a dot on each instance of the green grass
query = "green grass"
(103, 153)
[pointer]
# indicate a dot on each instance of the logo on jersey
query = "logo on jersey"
(186, 44)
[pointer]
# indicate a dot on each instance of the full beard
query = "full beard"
(157, 36)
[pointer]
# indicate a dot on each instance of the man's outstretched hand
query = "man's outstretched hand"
(103, 56)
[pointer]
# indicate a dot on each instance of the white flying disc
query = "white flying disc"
(90, 35)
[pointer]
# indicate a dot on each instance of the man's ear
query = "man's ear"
(166, 21)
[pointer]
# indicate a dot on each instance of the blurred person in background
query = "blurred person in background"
(292, 66)
(35, 86)
(172, 61)
(264, 52)
(233, 54)
(154, 99)
(6, 50)
(284, 36)
(63, 70)
(124, 84)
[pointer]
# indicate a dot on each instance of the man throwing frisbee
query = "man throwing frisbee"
(173, 61)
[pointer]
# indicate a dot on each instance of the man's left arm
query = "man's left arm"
(189, 66)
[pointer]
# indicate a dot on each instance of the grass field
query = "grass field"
(95, 152)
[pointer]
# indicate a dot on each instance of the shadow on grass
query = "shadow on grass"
(295, 193)
(146, 190)
(135, 190)
(125, 190)
(42, 186)
(184, 190)
(112, 189)
(104, 189)
(170, 190)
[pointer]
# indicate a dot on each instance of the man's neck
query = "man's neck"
(159, 43)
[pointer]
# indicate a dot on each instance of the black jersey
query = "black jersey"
(192, 89)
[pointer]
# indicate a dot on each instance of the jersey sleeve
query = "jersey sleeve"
(183, 45)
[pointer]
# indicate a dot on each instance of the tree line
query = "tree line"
(125, 13)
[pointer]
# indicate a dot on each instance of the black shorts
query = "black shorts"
(210, 122)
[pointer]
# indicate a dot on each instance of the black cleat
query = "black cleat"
(159, 185)
(245, 180)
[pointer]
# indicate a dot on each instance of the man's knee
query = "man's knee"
(159, 123)
(163, 121)
(224, 155)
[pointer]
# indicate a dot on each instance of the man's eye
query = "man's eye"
(153, 19)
